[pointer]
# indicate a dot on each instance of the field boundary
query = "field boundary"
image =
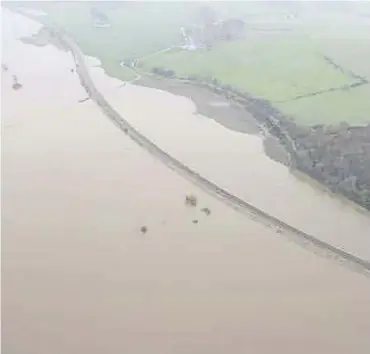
(360, 81)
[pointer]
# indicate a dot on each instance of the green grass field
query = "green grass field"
(271, 65)
(276, 69)
(332, 108)
(135, 31)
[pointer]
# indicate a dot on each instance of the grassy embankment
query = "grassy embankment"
(275, 65)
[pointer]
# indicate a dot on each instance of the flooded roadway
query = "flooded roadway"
(79, 276)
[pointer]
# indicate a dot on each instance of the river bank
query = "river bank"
(221, 109)
(336, 156)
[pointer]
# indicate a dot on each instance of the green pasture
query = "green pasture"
(352, 106)
(274, 68)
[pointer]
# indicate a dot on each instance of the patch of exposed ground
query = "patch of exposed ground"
(45, 36)
(208, 104)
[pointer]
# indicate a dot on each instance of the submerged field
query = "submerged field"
(304, 60)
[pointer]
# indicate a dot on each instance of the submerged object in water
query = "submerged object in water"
(16, 85)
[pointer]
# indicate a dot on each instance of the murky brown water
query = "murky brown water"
(79, 277)
(237, 162)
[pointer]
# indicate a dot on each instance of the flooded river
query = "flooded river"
(78, 274)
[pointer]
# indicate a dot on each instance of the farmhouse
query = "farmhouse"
(197, 37)
(99, 18)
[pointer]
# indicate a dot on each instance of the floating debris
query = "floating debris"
(84, 100)
(279, 230)
(16, 85)
(72, 70)
(206, 211)
(191, 200)
(195, 221)
(143, 229)
(4, 67)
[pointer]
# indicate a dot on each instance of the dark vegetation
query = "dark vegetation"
(191, 200)
(99, 17)
(99, 14)
(163, 72)
(16, 85)
(206, 211)
(45, 36)
(337, 156)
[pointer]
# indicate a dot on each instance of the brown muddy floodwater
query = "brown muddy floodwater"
(79, 276)
(236, 162)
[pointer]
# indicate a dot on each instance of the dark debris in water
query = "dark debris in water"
(206, 211)
(16, 86)
(191, 200)
(143, 229)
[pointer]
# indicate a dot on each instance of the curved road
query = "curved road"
(298, 236)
